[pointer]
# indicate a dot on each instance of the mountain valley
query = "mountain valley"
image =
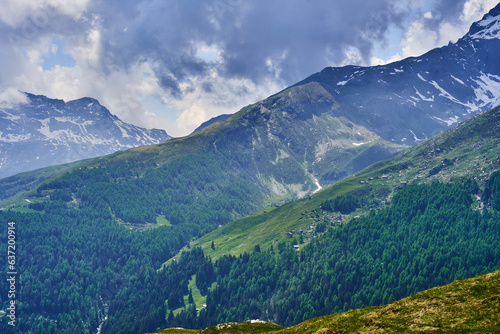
(354, 188)
(379, 189)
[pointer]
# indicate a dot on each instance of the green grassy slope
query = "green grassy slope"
(465, 306)
(469, 150)
(269, 226)
(199, 298)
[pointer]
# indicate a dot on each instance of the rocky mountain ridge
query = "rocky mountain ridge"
(413, 99)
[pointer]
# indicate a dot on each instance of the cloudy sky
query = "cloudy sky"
(173, 64)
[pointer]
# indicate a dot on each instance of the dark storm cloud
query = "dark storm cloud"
(287, 40)
(444, 10)
(313, 33)
(163, 32)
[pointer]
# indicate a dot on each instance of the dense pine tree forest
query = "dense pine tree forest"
(189, 189)
(431, 235)
(73, 263)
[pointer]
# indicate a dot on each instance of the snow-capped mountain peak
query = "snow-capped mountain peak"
(413, 99)
(46, 132)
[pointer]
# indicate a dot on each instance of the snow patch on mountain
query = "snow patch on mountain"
(457, 80)
(13, 138)
(124, 131)
(491, 28)
(428, 99)
(9, 116)
(487, 90)
(444, 93)
(420, 77)
(449, 122)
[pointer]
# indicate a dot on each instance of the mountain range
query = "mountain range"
(327, 127)
(324, 197)
(446, 157)
(46, 132)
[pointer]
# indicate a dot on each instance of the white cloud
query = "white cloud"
(37, 14)
(374, 61)
(420, 38)
(474, 9)
(191, 118)
(88, 51)
(11, 98)
(53, 48)
(352, 56)
(449, 32)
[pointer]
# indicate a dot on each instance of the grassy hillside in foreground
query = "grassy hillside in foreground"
(472, 150)
(465, 306)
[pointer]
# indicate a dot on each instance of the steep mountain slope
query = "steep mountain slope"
(211, 121)
(471, 149)
(46, 132)
(258, 156)
(464, 306)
